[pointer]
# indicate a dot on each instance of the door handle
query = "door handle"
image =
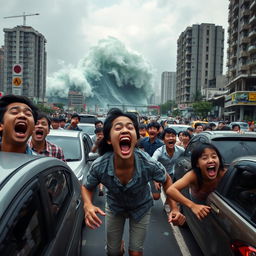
(78, 202)
(215, 208)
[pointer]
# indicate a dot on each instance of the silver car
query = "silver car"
(76, 146)
(41, 210)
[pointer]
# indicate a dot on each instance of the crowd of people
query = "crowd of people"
(136, 162)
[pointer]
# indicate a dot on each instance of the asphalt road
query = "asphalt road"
(161, 240)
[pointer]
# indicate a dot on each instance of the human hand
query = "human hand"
(176, 218)
(91, 218)
(200, 210)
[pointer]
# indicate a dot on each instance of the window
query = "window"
(58, 188)
(243, 190)
(24, 231)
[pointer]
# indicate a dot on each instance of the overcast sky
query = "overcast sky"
(150, 27)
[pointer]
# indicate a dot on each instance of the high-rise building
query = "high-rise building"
(240, 104)
(25, 63)
(199, 61)
(1, 69)
(76, 100)
(168, 86)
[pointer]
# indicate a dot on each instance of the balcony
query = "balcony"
(252, 49)
(243, 54)
(252, 20)
(252, 62)
(245, 25)
(252, 34)
(253, 5)
(245, 40)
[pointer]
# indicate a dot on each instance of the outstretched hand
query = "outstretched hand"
(200, 210)
(91, 218)
(176, 218)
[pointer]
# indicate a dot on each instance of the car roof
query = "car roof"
(65, 133)
(10, 162)
(219, 134)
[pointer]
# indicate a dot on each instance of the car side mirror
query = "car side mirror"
(93, 156)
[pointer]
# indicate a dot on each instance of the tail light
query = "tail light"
(242, 249)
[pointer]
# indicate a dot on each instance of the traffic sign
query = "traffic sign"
(17, 69)
(16, 81)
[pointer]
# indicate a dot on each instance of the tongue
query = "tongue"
(125, 148)
(211, 172)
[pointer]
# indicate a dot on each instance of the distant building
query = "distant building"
(240, 104)
(199, 61)
(1, 69)
(25, 62)
(168, 86)
(76, 100)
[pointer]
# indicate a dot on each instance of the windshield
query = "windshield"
(231, 149)
(87, 129)
(71, 147)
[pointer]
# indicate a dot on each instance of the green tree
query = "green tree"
(168, 106)
(197, 96)
(176, 112)
(202, 108)
(44, 109)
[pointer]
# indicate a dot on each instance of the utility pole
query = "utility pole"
(23, 15)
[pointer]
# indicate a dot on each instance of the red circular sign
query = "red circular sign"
(17, 69)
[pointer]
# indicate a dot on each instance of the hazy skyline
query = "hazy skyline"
(149, 27)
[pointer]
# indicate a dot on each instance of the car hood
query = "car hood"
(78, 168)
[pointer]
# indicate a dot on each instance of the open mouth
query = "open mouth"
(20, 128)
(171, 142)
(211, 171)
(39, 134)
(125, 145)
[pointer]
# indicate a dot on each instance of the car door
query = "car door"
(24, 228)
(233, 217)
(62, 192)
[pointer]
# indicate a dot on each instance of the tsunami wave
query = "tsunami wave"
(109, 74)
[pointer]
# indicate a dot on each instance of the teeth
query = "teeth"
(125, 138)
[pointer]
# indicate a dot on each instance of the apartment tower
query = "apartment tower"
(199, 62)
(25, 63)
(168, 86)
(240, 104)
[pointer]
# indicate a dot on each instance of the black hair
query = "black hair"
(9, 99)
(98, 122)
(207, 127)
(191, 129)
(98, 129)
(43, 115)
(111, 116)
(198, 124)
(153, 124)
(142, 126)
(75, 115)
(55, 119)
(235, 125)
(62, 119)
(180, 133)
(168, 130)
(187, 134)
(197, 153)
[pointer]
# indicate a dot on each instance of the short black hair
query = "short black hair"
(191, 129)
(10, 98)
(43, 115)
(75, 115)
(187, 134)
(169, 131)
(98, 122)
(154, 124)
(111, 116)
(142, 126)
(55, 119)
(235, 125)
(198, 124)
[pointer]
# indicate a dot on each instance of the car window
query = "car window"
(24, 230)
(242, 191)
(231, 149)
(87, 146)
(70, 145)
(58, 188)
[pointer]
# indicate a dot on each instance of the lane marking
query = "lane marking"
(177, 234)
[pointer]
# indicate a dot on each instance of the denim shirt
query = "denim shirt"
(133, 198)
(163, 157)
(149, 147)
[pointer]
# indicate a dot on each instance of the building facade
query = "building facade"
(1, 70)
(25, 63)
(240, 103)
(168, 86)
(199, 61)
(76, 101)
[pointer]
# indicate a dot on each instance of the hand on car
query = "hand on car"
(176, 218)
(91, 218)
(200, 210)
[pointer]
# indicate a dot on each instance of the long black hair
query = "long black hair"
(197, 153)
(111, 116)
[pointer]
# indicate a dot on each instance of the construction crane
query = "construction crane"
(23, 15)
